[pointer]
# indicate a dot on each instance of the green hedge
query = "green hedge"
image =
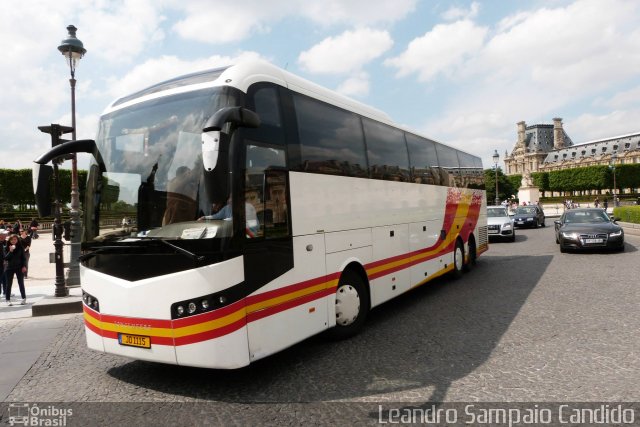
(627, 214)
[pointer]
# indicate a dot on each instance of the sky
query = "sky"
(461, 72)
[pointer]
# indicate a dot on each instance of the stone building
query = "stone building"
(545, 147)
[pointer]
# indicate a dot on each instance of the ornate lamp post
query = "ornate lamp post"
(496, 157)
(72, 49)
(614, 157)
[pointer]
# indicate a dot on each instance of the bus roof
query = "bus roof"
(247, 72)
(241, 76)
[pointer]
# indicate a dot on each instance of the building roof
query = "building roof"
(606, 146)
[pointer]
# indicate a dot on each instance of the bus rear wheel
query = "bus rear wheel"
(458, 260)
(352, 305)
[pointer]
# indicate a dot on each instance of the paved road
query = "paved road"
(527, 324)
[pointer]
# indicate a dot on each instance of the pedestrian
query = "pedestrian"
(17, 227)
(25, 241)
(15, 267)
(3, 250)
(605, 204)
(3, 226)
(33, 228)
(596, 203)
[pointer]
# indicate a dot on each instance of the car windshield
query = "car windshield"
(497, 212)
(527, 210)
(588, 217)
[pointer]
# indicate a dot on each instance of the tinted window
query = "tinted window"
(266, 105)
(386, 151)
(448, 160)
(471, 176)
(331, 139)
(424, 161)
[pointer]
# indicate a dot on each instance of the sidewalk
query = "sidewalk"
(22, 336)
(40, 282)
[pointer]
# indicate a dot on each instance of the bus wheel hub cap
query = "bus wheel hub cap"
(347, 305)
(458, 255)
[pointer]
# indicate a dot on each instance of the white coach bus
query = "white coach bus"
(268, 209)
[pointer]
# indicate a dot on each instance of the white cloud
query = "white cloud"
(356, 12)
(131, 25)
(442, 50)
(589, 126)
(533, 66)
(158, 69)
(217, 22)
(624, 99)
(356, 86)
(458, 13)
(348, 52)
(571, 50)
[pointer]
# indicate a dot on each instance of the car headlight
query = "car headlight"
(506, 226)
(569, 235)
(616, 233)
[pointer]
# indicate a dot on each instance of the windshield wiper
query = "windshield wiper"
(180, 250)
(101, 249)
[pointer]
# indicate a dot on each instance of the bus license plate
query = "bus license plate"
(134, 340)
(587, 241)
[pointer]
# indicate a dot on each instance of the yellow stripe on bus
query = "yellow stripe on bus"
(286, 297)
(167, 332)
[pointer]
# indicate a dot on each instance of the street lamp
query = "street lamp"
(496, 157)
(72, 49)
(614, 157)
(56, 131)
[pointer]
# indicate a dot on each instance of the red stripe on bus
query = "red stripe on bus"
(208, 316)
(257, 298)
(211, 334)
(135, 321)
(393, 269)
(269, 311)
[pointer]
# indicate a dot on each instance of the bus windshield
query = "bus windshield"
(153, 184)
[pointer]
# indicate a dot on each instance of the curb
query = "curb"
(630, 228)
(57, 305)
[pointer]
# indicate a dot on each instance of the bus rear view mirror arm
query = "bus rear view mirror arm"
(236, 115)
(211, 131)
(72, 147)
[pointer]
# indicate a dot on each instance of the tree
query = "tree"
(505, 186)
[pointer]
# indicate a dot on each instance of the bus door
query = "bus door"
(268, 242)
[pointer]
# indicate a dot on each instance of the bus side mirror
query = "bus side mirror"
(41, 176)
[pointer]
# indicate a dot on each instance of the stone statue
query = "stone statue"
(527, 181)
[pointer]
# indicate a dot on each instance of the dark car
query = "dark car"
(588, 228)
(528, 216)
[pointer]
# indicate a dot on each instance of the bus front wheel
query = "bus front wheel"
(352, 305)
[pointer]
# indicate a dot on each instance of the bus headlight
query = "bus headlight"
(90, 301)
(192, 307)
(204, 303)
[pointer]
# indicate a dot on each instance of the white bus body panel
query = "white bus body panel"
(390, 241)
(327, 203)
(276, 327)
(228, 351)
(424, 235)
(142, 302)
